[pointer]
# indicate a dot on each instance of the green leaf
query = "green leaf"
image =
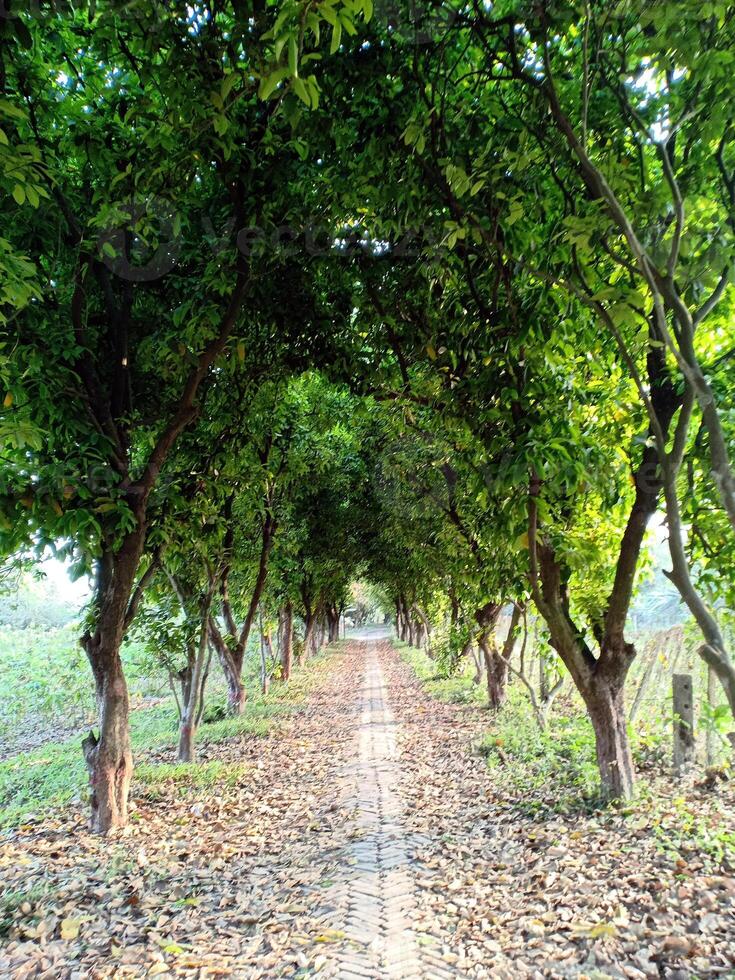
(301, 90)
(270, 82)
(293, 56)
(227, 85)
(336, 37)
(329, 14)
(280, 45)
(347, 22)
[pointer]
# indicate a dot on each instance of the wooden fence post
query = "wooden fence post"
(683, 703)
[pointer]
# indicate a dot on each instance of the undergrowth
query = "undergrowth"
(457, 688)
(553, 773)
(44, 678)
(33, 783)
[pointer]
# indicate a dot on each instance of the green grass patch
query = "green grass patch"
(458, 688)
(45, 677)
(152, 777)
(33, 782)
(684, 829)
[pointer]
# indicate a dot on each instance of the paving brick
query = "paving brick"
(376, 890)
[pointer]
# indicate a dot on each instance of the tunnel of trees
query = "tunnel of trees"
(295, 293)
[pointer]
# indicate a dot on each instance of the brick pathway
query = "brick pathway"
(375, 896)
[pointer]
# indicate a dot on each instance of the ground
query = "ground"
(363, 839)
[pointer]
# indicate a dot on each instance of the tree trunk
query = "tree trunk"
(600, 680)
(231, 664)
(287, 641)
(231, 655)
(319, 634)
(268, 643)
(712, 692)
(477, 658)
(418, 634)
(402, 622)
(423, 627)
(109, 758)
(236, 693)
(497, 678)
(496, 662)
(333, 623)
(264, 677)
(487, 618)
(193, 688)
(606, 707)
(309, 635)
(186, 742)
(543, 678)
(496, 674)
(454, 609)
(184, 678)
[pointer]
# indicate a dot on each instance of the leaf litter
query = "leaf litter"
(231, 879)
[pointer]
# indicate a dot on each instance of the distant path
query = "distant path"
(371, 632)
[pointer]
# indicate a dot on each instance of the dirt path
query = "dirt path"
(364, 842)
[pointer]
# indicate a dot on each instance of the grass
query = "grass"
(35, 782)
(457, 689)
(551, 770)
(44, 679)
(40, 674)
(152, 777)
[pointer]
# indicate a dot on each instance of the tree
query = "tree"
(110, 365)
(172, 624)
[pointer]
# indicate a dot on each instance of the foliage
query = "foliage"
(44, 681)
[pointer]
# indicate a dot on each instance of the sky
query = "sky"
(59, 582)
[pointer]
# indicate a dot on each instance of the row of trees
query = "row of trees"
(297, 291)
